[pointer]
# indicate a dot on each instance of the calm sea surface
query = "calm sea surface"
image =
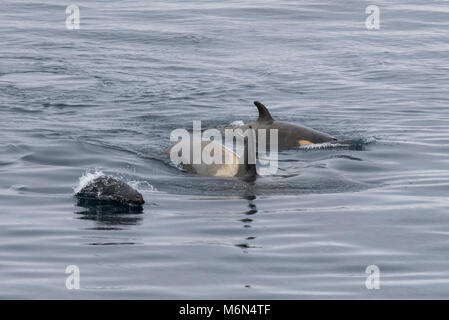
(106, 97)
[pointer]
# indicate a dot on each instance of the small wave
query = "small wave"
(324, 145)
(142, 186)
(351, 144)
(368, 140)
(237, 123)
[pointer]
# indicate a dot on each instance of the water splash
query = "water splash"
(324, 145)
(356, 144)
(237, 123)
(142, 186)
(87, 177)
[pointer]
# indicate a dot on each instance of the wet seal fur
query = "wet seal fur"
(107, 189)
(289, 135)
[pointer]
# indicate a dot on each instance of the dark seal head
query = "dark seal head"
(109, 189)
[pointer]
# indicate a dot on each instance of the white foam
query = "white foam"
(86, 178)
(237, 123)
(324, 145)
(142, 186)
(90, 175)
(370, 140)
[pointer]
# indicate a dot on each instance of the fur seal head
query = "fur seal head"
(109, 189)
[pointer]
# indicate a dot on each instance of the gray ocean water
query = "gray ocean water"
(106, 97)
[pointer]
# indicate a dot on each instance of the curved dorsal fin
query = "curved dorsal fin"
(264, 114)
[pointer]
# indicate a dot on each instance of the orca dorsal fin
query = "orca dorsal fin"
(264, 114)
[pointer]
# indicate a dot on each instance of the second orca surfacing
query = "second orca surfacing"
(289, 135)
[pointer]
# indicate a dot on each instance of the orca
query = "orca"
(230, 166)
(289, 135)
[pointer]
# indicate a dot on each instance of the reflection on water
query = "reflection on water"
(249, 218)
(109, 214)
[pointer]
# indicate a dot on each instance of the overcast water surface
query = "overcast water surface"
(106, 97)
